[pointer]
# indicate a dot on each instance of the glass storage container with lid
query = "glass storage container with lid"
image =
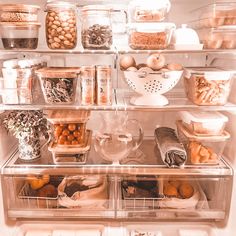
(18, 13)
(148, 10)
(19, 35)
(61, 27)
(96, 27)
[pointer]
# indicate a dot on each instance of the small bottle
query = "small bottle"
(103, 85)
(87, 85)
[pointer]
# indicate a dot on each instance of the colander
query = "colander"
(151, 86)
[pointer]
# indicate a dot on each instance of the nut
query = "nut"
(61, 29)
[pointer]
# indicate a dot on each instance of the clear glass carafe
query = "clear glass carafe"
(117, 136)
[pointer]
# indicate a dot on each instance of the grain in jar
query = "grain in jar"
(87, 85)
(61, 31)
(103, 85)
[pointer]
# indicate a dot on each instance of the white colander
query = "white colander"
(151, 86)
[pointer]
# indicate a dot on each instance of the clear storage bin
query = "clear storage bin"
(202, 123)
(149, 10)
(18, 13)
(96, 27)
(61, 27)
(218, 38)
(207, 85)
(150, 35)
(215, 15)
(202, 150)
(59, 84)
(19, 35)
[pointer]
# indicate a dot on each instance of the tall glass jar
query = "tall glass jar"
(61, 29)
(96, 27)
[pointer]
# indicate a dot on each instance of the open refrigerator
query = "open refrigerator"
(210, 211)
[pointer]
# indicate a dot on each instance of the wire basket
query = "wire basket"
(151, 86)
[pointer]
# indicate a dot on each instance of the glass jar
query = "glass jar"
(96, 27)
(61, 29)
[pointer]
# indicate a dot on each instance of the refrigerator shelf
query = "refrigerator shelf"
(152, 165)
(114, 51)
(121, 101)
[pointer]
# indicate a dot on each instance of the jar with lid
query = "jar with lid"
(96, 27)
(61, 29)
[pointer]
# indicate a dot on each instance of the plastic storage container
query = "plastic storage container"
(96, 27)
(18, 13)
(59, 84)
(149, 10)
(207, 85)
(202, 150)
(19, 35)
(61, 27)
(150, 35)
(203, 123)
(215, 15)
(218, 38)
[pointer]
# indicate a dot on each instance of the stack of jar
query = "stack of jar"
(19, 26)
(145, 29)
(19, 80)
(215, 25)
(203, 135)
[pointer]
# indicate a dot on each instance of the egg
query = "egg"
(126, 62)
(132, 68)
(174, 66)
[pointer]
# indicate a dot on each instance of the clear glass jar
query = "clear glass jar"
(61, 28)
(96, 27)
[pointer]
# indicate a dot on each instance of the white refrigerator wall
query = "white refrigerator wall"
(180, 13)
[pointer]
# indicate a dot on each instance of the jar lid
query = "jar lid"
(95, 8)
(58, 72)
(202, 116)
(59, 4)
(20, 24)
(151, 27)
(19, 7)
(210, 73)
(191, 137)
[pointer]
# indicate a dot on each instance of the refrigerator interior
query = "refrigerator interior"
(214, 216)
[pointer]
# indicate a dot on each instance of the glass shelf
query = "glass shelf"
(115, 50)
(121, 101)
(96, 165)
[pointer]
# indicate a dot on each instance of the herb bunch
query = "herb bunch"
(26, 124)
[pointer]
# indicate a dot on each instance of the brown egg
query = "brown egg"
(126, 62)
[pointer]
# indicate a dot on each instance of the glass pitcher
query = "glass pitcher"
(118, 136)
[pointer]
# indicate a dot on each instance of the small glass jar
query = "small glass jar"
(61, 29)
(96, 27)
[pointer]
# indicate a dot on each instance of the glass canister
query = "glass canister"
(61, 29)
(96, 27)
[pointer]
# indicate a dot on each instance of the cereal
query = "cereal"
(59, 27)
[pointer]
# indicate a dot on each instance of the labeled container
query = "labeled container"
(19, 35)
(61, 26)
(18, 13)
(149, 10)
(96, 27)
(150, 35)
(202, 150)
(215, 15)
(224, 38)
(202, 123)
(207, 85)
(104, 85)
(87, 85)
(59, 84)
